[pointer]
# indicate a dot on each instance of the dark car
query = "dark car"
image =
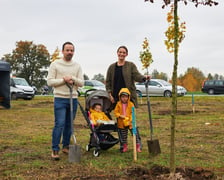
(213, 87)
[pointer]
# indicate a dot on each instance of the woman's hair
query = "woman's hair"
(124, 47)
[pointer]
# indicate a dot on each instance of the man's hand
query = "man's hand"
(68, 79)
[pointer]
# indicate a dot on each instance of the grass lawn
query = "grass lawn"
(25, 143)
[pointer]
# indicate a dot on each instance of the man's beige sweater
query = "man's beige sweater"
(60, 68)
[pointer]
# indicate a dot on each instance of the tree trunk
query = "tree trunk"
(174, 92)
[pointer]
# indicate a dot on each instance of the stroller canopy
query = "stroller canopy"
(98, 96)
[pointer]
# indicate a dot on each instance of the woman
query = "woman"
(123, 74)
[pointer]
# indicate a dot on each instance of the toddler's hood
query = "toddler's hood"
(125, 91)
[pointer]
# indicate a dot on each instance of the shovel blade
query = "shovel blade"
(74, 154)
(154, 147)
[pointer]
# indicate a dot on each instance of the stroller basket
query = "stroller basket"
(106, 141)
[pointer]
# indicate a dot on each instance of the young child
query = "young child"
(97, 116)
(123, 113)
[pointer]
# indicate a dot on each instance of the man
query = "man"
(64, 72)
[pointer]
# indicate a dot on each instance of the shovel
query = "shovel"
(153, 145)
(74, 154)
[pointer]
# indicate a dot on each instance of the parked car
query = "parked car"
(158, 87)
(91, 85)
(19, 88)
(35, 89)
(213, 87)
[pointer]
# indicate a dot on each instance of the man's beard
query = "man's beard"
(68, 57)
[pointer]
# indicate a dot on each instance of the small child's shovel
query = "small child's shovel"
(74, 154)
(153, 145)
(134, 132)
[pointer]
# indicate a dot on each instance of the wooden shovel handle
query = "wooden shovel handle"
(134, 148)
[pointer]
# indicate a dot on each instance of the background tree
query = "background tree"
(159, 75)
(221, 77)
(154, 74)
(99, 77)
(216, 77)
(86, 77)
(174, 37)
(29, 60)
(210, 77)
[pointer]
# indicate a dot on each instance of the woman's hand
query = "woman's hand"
(147, 77)
(112, 99)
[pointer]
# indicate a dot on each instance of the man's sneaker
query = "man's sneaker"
(138, 147)
(65, 150)
(55, 155)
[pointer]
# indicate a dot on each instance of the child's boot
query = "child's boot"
(125, 148)
(138, 147)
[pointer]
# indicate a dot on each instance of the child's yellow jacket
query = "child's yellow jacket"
(118, 111)
(94, 116)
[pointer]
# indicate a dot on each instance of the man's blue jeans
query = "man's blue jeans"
(62, 124)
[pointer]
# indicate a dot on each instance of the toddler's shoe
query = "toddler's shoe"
(138, 147)
(125, 148)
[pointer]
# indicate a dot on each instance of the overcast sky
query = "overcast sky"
(99, 27)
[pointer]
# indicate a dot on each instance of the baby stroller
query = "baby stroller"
(100, 136)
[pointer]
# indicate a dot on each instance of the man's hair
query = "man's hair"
(63, 46)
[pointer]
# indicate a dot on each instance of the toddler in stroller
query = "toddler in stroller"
(101, 129)
(98, 117)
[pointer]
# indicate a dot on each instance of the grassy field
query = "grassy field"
(25, 140)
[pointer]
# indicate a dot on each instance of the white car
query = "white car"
(19, 88)
(158, 87)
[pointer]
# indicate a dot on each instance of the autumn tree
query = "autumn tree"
(190, 83)
(192, 79)
(28, 60)
(175, 38)
(55, 55)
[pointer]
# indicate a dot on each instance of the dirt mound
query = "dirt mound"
(163, 173)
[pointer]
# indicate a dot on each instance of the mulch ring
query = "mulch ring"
(163, 173)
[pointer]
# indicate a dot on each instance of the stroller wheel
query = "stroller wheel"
(87, 147)
(96, 153)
